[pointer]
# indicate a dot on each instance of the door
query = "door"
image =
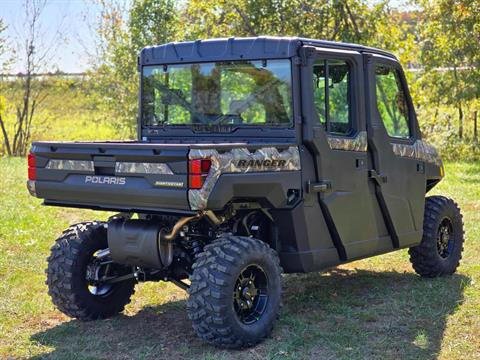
(335, 133)
(392, 134)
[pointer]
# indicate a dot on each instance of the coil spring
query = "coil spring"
(197, 248)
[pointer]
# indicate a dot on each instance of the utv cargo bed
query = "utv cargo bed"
(119, 176)
(126, 176)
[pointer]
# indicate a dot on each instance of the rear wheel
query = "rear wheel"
(76, 266)
(235, 292)
(442, 244)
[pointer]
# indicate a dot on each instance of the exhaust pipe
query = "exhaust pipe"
(165, 248)
(169, 237)
(185, 220)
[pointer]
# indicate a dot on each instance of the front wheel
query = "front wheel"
(442, 244)
(76, 264)
(235, 292)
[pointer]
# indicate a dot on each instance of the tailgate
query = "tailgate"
(125, 176)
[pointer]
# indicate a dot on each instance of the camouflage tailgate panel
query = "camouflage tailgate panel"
(264, 159)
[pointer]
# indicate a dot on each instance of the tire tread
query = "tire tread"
(63, 267)
(209, 291)
(424, 257)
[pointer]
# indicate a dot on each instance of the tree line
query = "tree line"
(440, 37)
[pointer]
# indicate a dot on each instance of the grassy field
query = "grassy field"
(371, 309)
(70, 111)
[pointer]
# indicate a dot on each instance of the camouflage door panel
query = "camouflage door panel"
(419, 150)
(357, 143)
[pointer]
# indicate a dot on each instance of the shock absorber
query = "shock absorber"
(197, 248)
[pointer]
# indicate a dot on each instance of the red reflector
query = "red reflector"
(196, 181)
(195, 166)
(200, 166)
(31, 160)
(198, 171)
(32, 171)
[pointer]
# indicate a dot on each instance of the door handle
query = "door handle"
(378, 178)
(321, 186)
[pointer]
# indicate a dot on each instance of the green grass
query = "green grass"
(371, 309)
(70, 111)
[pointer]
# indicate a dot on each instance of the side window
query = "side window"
(391, 102)
(331, 86)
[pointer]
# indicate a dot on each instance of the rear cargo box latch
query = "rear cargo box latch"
(104, 165)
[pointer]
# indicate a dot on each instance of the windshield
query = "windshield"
(222, 93)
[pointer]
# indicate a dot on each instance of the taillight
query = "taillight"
(32, 171)
(198, 170)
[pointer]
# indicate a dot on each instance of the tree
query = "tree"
(3, 50)
(152, 22)
(36, 55)
(347, 20)
(3, 45)
(6, 144)
(450, 42)
(123, 33)
(364, 22)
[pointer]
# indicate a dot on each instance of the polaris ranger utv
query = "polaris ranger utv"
(255, 157)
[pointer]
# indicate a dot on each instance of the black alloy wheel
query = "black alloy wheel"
(251, 294)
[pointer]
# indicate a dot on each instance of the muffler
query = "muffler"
(136, 243)
(146, 243)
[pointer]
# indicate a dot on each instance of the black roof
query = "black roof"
(262, 47)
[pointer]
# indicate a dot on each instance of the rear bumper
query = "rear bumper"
(119, 208)
(136, 194)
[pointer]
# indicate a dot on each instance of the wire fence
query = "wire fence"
(12, 77)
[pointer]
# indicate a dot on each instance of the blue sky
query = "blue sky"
(74, 18)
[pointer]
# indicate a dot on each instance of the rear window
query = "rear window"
(221, 93)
